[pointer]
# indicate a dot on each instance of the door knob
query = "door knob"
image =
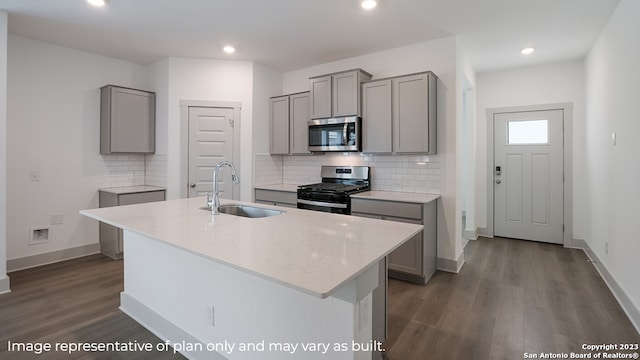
(192, 185)
(498, 181)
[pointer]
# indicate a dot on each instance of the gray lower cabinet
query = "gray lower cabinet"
(276, 198)
(111, 236)
(127, 121)
(415, 260)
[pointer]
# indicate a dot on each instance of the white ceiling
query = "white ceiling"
(294, 34)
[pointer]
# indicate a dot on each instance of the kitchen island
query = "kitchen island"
(295, 285)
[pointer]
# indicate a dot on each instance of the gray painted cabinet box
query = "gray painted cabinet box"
(399, 114)
(289, 116)
(127, 121)
(416, 259)
(277, 198)
(338, 94)
(111, 236)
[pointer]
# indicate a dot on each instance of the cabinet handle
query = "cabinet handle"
(192, 185)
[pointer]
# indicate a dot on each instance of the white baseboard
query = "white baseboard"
(51, 257)
(163, 328)
(628, 306)
(470, 235)
(4, 285)
(482, 231)
(452, 266)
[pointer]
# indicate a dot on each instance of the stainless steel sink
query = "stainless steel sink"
(245, 211)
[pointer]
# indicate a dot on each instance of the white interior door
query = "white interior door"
(528, 175)
(210, 142)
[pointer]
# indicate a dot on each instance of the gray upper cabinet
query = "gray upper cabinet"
(399, 114)
(298, 123)
(376, 111)
(289, 115)
(414, 114)
(127, 121)
(321, 97)
(279, 113)
(337, 95)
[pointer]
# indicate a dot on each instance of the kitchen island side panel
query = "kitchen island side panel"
(180, 287)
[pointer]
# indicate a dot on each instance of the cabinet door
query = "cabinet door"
(275, 197)
(408, 257)
(410, 114)
(298, 123)
(279, 116)
(141, 198)
(376, 117)
(345, 94)
(321, 97)
(132, 121)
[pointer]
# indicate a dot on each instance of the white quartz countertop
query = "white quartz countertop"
(420, 198)
(131, 189)
(311, 251)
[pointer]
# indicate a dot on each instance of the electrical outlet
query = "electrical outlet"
(363, 312)
(210, 316)
(34, 175)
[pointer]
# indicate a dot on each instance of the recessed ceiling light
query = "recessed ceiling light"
(368, 4)
(98, 3)
(527, 51)
(229, 49)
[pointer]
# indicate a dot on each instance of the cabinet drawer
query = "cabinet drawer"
(388, 209)
(138, 198)
(273, 196)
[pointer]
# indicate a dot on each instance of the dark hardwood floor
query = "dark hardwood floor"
(71, 302)
(511, 297)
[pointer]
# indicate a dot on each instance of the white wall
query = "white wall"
(267, 82)
(4, 281)
(438, 56)
(464, 159)
(612, 176)
(555, 83)
(53, 117)
(211, 80)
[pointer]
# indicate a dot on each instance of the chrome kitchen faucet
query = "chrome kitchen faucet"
(214, 202)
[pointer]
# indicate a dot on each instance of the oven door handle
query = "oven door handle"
(321, 203)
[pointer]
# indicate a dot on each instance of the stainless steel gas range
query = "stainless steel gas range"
(333, 193)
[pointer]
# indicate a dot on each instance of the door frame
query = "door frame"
(567, 109)
(184, 139)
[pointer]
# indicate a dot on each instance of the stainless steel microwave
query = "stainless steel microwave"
(336, 134)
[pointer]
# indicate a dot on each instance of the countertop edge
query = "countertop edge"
(383, 195)
(120, 190)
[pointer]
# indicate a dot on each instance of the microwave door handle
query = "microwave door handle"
(345, 135)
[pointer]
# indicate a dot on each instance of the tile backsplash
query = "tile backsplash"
(131, 170)
(406, 173)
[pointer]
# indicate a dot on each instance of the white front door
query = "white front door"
(528, 175)
(210, 142)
